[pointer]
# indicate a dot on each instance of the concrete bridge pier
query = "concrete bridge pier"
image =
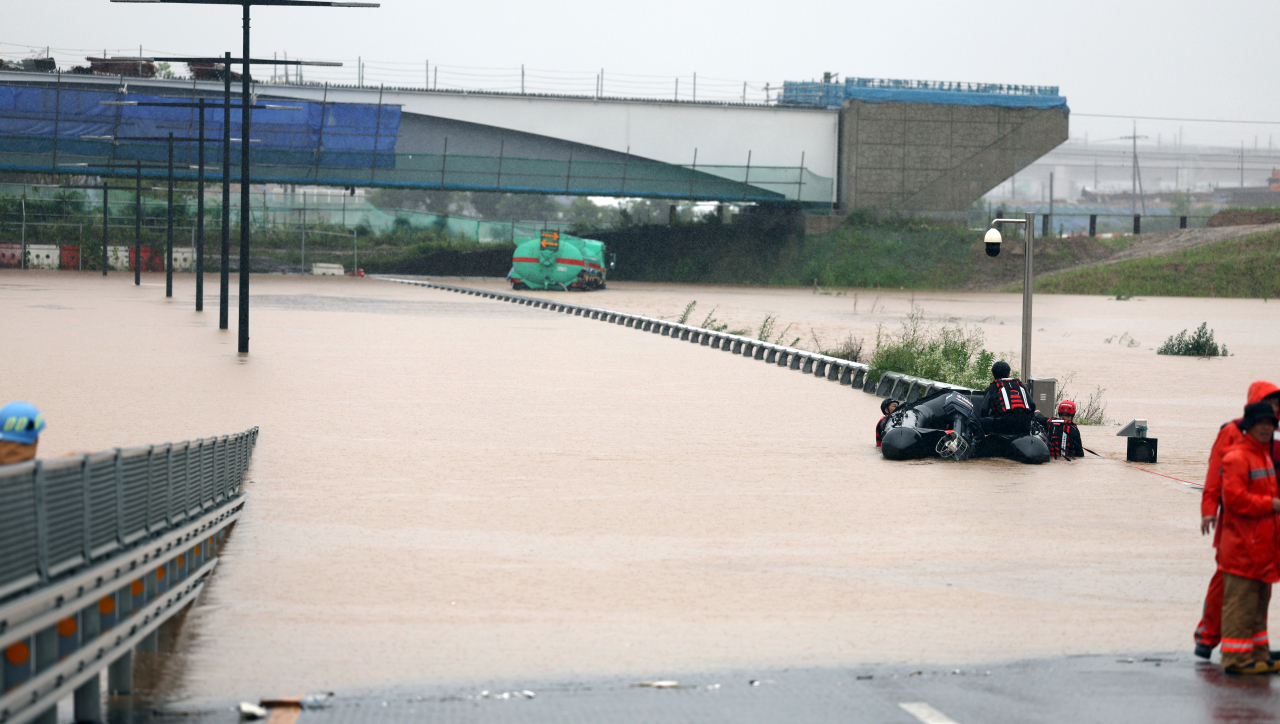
(120, 675)
(88, 700)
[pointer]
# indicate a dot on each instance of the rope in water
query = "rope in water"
(1180, 480)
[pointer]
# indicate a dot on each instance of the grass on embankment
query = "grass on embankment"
(864, 252)
(1245, 267)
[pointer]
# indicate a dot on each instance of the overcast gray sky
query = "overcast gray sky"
(1171, 59)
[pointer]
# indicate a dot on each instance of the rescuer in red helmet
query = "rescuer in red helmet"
(1006, 406)
(1209, 632)
(1064, 433)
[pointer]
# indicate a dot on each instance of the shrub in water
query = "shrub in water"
(1199, 344)
(946, 354)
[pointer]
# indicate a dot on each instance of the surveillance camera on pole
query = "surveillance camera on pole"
(992, 240)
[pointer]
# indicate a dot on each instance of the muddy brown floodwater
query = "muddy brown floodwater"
(451, 488)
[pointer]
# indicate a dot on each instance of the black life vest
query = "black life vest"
(1060, 444)
(1010, 395)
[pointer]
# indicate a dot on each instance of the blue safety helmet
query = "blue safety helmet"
(20, 422)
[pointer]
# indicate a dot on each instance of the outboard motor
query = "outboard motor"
(960, 442)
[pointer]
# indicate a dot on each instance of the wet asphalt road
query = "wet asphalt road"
(1166, 688)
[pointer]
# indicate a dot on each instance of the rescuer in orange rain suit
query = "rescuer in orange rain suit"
(1248, 547)
(1209, 632)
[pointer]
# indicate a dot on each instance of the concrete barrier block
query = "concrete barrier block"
(797, 359)
(760, 350)
(886, 383)
(784, 357)
(833, 371)
(846, 374)
(706, 338)
(807, 367)
(869, 383)
(914, 389)
(715, 341)
(684, 334)
(820, 367)
(900, 387)
(43, 256)
(772, 355)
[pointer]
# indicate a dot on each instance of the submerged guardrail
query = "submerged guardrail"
(98, 550)
(846, 372)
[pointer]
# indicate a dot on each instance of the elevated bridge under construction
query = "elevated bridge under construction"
(860, 144)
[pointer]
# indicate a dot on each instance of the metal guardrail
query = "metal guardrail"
(98, 550)
(835, 369)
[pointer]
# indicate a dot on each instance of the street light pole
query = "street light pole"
(168, 229)
(1028, 284)
(245, 131)
(223, 278)
(246, 101)
(137, 229)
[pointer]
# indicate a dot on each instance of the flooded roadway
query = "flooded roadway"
(448, 488)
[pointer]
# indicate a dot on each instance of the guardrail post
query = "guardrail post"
(772, 355)
(784, 358)
(846, 374)
(820, 368)
(859, 377)
(808, 365)
(88, 700)
(42, 524)
(120, 674)
(737, 347)
(748, 348)
(1093, 224)
(795, 360)
(1182, 222)
(833, 371)
(46, 655)
(706, 338)
(1137, 224)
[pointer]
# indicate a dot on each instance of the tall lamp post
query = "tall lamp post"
(226, 61)
(245, 133)
(993, 241)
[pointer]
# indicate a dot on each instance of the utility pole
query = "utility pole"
(1137, 178)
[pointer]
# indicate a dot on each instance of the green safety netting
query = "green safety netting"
(627, 178)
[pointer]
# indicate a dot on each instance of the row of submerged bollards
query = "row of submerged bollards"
(835, 369)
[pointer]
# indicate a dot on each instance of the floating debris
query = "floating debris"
(251, 711)
(660, 684)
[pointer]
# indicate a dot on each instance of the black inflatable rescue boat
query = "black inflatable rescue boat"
(945, 425)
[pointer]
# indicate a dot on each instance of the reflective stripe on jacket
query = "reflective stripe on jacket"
(1249, 546)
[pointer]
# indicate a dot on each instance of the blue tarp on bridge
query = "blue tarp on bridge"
(344, 134)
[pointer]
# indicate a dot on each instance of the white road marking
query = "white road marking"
(926, 713)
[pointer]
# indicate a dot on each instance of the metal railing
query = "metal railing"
(98, 550)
